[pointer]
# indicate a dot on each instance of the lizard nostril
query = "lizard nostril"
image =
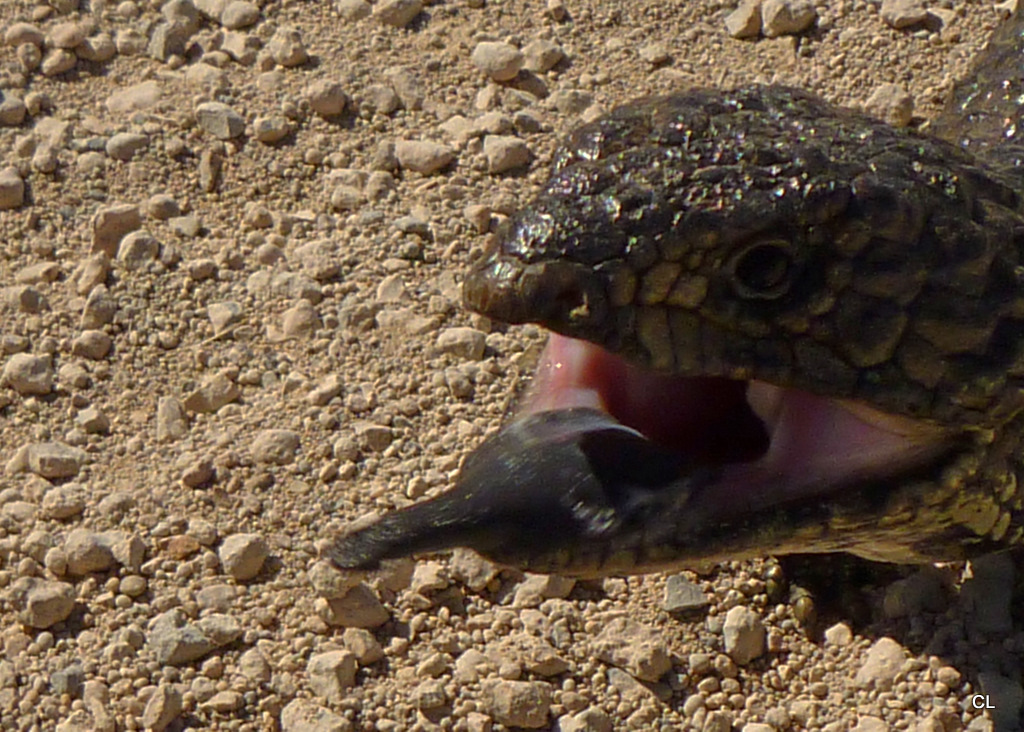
(570, 299)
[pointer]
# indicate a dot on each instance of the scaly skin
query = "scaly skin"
(762, 234)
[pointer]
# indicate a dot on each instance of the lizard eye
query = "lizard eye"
(762, 271)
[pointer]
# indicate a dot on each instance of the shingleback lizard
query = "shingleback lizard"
(778, 326)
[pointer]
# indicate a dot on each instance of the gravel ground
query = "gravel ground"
(232, 236)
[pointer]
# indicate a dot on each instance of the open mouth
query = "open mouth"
(771, 445)
(609, 469)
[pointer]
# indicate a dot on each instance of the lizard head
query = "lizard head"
(806, 321)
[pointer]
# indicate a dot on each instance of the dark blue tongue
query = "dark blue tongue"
(542, 484)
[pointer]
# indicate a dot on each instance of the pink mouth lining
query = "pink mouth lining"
(774, 443)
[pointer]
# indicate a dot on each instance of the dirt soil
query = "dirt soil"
(232, 236)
